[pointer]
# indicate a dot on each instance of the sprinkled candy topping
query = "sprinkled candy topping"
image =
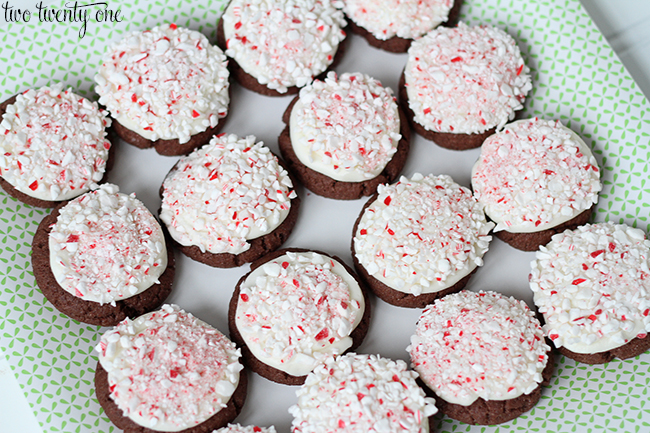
(469, 345)
(535, 174)
(346, 128)
(237, 428)
(167, 82)
(298, 309)
(465, 79)
(168, 370)
(361, 393)
(408, 19)
(225, 193)
(53, 144)
(422, 235)
(283, 43)
(106, 246)
(592, 285)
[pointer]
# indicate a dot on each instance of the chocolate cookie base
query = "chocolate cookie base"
(91, 312)
(265, 370)
(633, 348)
(324, 185)
(218, 420)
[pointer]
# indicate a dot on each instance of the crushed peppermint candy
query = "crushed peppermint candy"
(164, 83)
(422, 235)
(535, 174)
(106, 246)
(361, 393)
(592, 285)
(298, 309)
(465, 80)
(167, 370)
(283, 43)
(238, 428)
(486, 345)
(224, 194)
(53, 144)
(345, 127)
(408, 19)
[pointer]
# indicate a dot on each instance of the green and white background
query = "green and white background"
(578, 78)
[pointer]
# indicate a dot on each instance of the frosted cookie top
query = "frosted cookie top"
(106, 246)
(422, 235)
(225, 193)
(469, 345)
(53, 144)
(283, 43)
(408, 19)
(361, 393)
(237, 428)
(535, 174)
(592, 285)
(167, 370)
(164, 83)
(345, 127)
(465, 79)
(298, 309)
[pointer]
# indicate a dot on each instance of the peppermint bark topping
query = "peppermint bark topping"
(53, 144)
(164, 83)
(361, 393)
(345, 127)
(237, 428)
(225, 193)
(106, 246)
(465, 79)
(592, 285)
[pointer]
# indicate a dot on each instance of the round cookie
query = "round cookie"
(229, 202)
(345, 136)
(482, 356)
(102, 257)
(419, 239)
(361, 393)
(278, 46)
(237, 428)
(165, 88)
(294, 309)
(168, 371)
(461, 84)
(535, 178)
(54, 146)
(592, 285)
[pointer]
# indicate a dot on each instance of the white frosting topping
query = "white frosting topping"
(422, 235)
(296, 310)
(346, 128)
(106, 246)
(465, 79)
(407, 19)
(535, 174)
(361, 393)
(283, 43)
(479, 345)
(225, 193)
(164, 83)
(53, 144)
(237, 428)
(592, 285)
(167, 370)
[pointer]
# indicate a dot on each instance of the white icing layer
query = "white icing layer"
(164, 83)
(106, 246)
(298, 309)
(592, 285)
(167, 370)
(422, 235)
(283, 43)
(225, 193)
(345, 127)
(237, 428)
(465, 80)
(469, 345)
(361, 393)
(53, 144)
